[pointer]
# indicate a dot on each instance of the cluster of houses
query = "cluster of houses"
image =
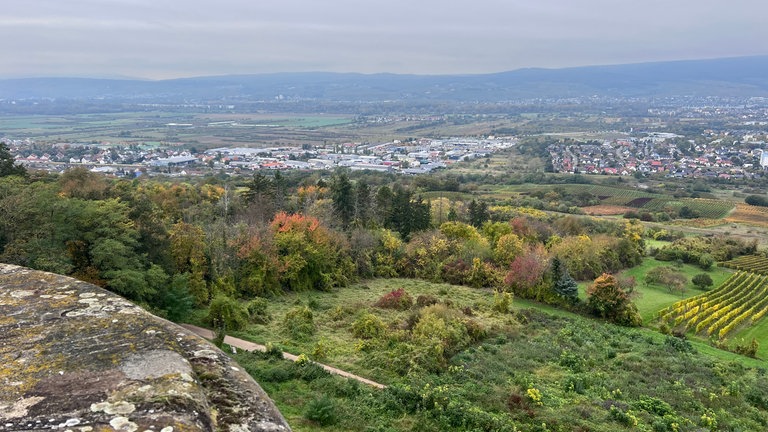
(662, 153)
(416, 156)
(410, 157)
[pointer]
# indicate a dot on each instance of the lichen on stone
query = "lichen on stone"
(76, 357)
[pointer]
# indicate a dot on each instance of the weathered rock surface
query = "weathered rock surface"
(74, 357)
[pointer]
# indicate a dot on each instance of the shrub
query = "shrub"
(631, 214)
(654, 406)
(502, 301)
(443, 332)
(368, 326)
(626, 418)
(606, 299)
(749, 350)
(397, 299)
(426, 300)
(455, 272)
(702, 281)
(321, 411)
(706, 261)
(756, 200)
(678, 344)
(299, 323)
(320, 350)
(257, 311)
(227, 313)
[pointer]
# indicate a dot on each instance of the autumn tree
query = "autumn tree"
(257, 265)
(81, 183)
(188, 246)
(667, 277)
(606, 299)
(309, 256)
(526, 273)
(493, 231)
(508, 247)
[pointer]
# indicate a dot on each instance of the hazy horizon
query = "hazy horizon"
(143, 39)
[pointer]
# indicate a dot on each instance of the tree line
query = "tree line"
(174, 245)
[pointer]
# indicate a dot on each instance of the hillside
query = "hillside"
(732, 77)
(514, 370)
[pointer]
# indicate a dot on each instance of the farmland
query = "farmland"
(179, 128)
(612, 198)
(750, 263)
(750, 215)
(742, 300)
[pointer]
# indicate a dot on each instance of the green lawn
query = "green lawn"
(656, 244)
(652, 298)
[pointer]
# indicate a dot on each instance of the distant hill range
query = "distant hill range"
(729, 77)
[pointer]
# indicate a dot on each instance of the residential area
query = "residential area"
(664, 153)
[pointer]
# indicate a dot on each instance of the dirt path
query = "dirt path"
(250, 346)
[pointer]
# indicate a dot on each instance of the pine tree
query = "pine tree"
(563, 284)
(362, 204)
(478, 213)
(343, 200)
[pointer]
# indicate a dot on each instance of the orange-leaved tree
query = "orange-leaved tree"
(309, 255)
(607, 299)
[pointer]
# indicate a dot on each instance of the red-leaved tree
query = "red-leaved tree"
(526, 273)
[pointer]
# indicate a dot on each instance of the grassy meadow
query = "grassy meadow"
(536, 365)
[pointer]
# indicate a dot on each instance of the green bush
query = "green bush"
(426, 300)
(227, 313)
(368, 326)
(299, 323)
(756, 200)
(654, 406)
(502, 301)
(321, 411)
(706, 261)
(257, 311)
(702, 281)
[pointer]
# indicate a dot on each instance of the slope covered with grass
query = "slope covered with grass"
(525, 369)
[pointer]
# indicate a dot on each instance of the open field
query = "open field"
(196, 130)
(612, 198)
(650, 298)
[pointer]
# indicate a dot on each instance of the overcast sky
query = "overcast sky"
(180, 38)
